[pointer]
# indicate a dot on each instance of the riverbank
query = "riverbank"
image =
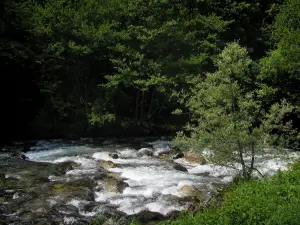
(273, 200)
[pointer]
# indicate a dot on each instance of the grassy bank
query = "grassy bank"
(273, 200)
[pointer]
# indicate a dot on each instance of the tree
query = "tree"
(155, 54)
(280, 70)
(72, 38)
(226, 116)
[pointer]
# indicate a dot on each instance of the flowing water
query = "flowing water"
(64, 181)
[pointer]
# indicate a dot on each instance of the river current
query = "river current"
(152, 183)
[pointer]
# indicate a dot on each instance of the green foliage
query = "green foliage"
(154, 56)
(270, 201)
(135, 62)
(226, 117)
(73, 37)
(282, 65)
(279, 76)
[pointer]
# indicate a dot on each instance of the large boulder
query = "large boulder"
(71, 191)
(145, 152)
(194, 157)
(107, 164)
(114, 185)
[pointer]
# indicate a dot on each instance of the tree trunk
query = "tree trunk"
(244, 167)
(150, 105)
(142, 106)
(252, 158)
(85, 90)
(136, 114)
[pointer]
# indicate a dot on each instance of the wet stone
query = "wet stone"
(114, 155)
(194, 157)
(68, 192)
(145, 152)
(190, 192)
(178, 155)
(179, 167)
(107, 164)
(92, 206)
(68, 210)
(146, 216)
(114, 185)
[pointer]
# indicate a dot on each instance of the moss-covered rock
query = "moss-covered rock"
(70, 191)
(165, 157)
(59, 187)
(114, 175)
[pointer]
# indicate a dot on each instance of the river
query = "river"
(64, 181)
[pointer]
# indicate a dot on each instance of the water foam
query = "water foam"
(149, 178)
(127, 153)
(69, 220)
(103, 196)
(80, 172)
(136, 161)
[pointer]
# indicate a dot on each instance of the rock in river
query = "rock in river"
(114, 185)
(178, 155)
(114, 155)
(194, 157)
(145, 152)
(107, 164)
(190, 191)
(20, 155)
(146, 216)
(179, 167)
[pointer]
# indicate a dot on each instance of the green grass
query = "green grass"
(272, 201)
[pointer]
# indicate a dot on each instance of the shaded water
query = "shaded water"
(64, 181)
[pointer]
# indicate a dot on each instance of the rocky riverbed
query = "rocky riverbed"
(73, 182)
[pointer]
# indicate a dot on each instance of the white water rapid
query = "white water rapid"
(153, 184)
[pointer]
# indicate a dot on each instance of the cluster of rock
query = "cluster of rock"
(114, 182)
(110, 182)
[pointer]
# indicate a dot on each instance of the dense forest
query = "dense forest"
(208, 68)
